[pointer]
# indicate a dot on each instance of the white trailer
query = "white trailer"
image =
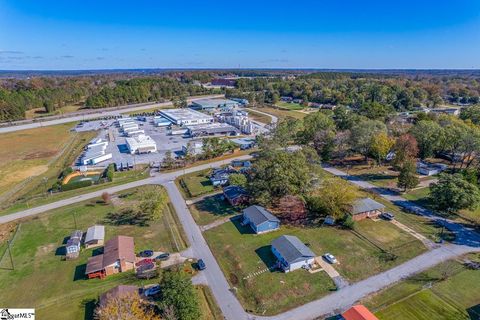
(135, 133)
(101, 158)
(130, 128)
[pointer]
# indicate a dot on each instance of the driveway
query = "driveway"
(463, 235)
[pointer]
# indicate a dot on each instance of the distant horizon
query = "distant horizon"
(368, 35)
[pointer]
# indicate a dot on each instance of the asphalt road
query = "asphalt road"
(463, 234)
(157, 179)
(39, 123)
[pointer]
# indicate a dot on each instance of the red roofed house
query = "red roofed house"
(118, 256)
(358, 312)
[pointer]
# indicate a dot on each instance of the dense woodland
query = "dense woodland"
(381, 92)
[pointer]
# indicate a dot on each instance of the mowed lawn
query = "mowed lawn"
(281, 113)
(27, 153)
(289, 106)
(195, 184)
(211, 209)
(241, 253)
(446, 291)
(58, 289)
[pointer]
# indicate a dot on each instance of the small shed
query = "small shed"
(291, 253)
(73, 244)
(366, 208)
(95, 236)
(260, 219)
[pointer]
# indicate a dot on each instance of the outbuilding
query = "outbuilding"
(73, 245)
(366, 208)
(291, 253)
(260, 219)
(235, 195)
(95, 236)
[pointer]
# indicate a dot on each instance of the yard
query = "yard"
(29, 201)
(211, 209)
(445, 291)
(195, 184)
(28, 156)
(58, 289)
(289, 106)
(361, 254)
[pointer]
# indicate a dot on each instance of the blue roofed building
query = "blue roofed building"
(260, 219)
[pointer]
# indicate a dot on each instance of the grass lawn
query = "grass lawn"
(442, 292)
(43, 281)
(281, 113)
(195, 184)
(240, 253)
(289, 106)
(211, 209)
(210, 309)
(38, 200)
(259, 117)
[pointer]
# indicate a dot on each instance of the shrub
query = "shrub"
(348, 222)
(76, 185)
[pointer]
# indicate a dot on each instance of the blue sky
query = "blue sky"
(247, 34)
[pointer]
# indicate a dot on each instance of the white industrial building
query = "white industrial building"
(95, 152)
(238, 119)
(141, 144)
(161, 121)
(186, 117)
(193, 147)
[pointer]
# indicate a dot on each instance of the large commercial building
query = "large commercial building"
(217, 128)
(186, 117)
(210, 104)
(141, 144)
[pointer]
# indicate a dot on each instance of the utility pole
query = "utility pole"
(10, 254)
(74, 220)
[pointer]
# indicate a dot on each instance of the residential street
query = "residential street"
(100, 113)
(331, 304)
(464, 235)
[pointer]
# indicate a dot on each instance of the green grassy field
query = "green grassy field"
(57, 288)
(443, 292)
(241, 253)
(259, 117)
(289, 106)
(195, 184)
(211, 209)
(281, 113)
(38, 200)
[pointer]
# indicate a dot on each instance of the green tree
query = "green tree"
(429, 135)
(453, 193)
(237, 179)
(408, 179)
(278, 173)
(313, 123)
(168, 160)
(362, 133)
(178, 293)
(334, 197)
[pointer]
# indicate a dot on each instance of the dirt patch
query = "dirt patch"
(44, 250)
(40, 155)
(6, 231)
(148, 235)
(233, 279)
(18, 176)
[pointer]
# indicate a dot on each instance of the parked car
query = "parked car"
(330, 258)
(144, 261)
(152, 291)
(163, 256)
(387, 216)
(145, 253)
(201, 265)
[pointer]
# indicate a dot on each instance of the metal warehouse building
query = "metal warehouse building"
(211, 129)
(186, 117)
(141, 144)
(209, 104)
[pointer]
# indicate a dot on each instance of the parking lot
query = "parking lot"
(117, 143)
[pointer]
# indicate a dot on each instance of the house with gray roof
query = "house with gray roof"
(291, 253)
(95, 236)
(260, 219)
(366, 208)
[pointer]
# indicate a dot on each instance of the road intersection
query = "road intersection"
(469, 241)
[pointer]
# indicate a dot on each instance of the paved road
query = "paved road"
(157, 179)
(100, 113)
(463, 235)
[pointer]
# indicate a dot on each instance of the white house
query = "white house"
(291, 253)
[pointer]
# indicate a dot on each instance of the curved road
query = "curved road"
(101, 113)
(227, 301)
